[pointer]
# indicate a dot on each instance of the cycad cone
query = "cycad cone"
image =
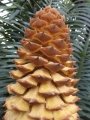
(45, 83)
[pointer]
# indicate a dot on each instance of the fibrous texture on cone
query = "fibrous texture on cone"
(45, 84)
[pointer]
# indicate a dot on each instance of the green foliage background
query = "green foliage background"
(12, 24)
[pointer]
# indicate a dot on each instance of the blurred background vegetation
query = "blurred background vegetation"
(14, 18)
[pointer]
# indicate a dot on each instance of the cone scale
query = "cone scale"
(45, 75)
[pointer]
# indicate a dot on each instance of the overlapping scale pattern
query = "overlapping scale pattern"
(45, 84)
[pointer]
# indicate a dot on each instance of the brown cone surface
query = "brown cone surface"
(45, 84)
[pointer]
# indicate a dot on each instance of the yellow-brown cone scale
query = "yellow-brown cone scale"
(45, 84)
